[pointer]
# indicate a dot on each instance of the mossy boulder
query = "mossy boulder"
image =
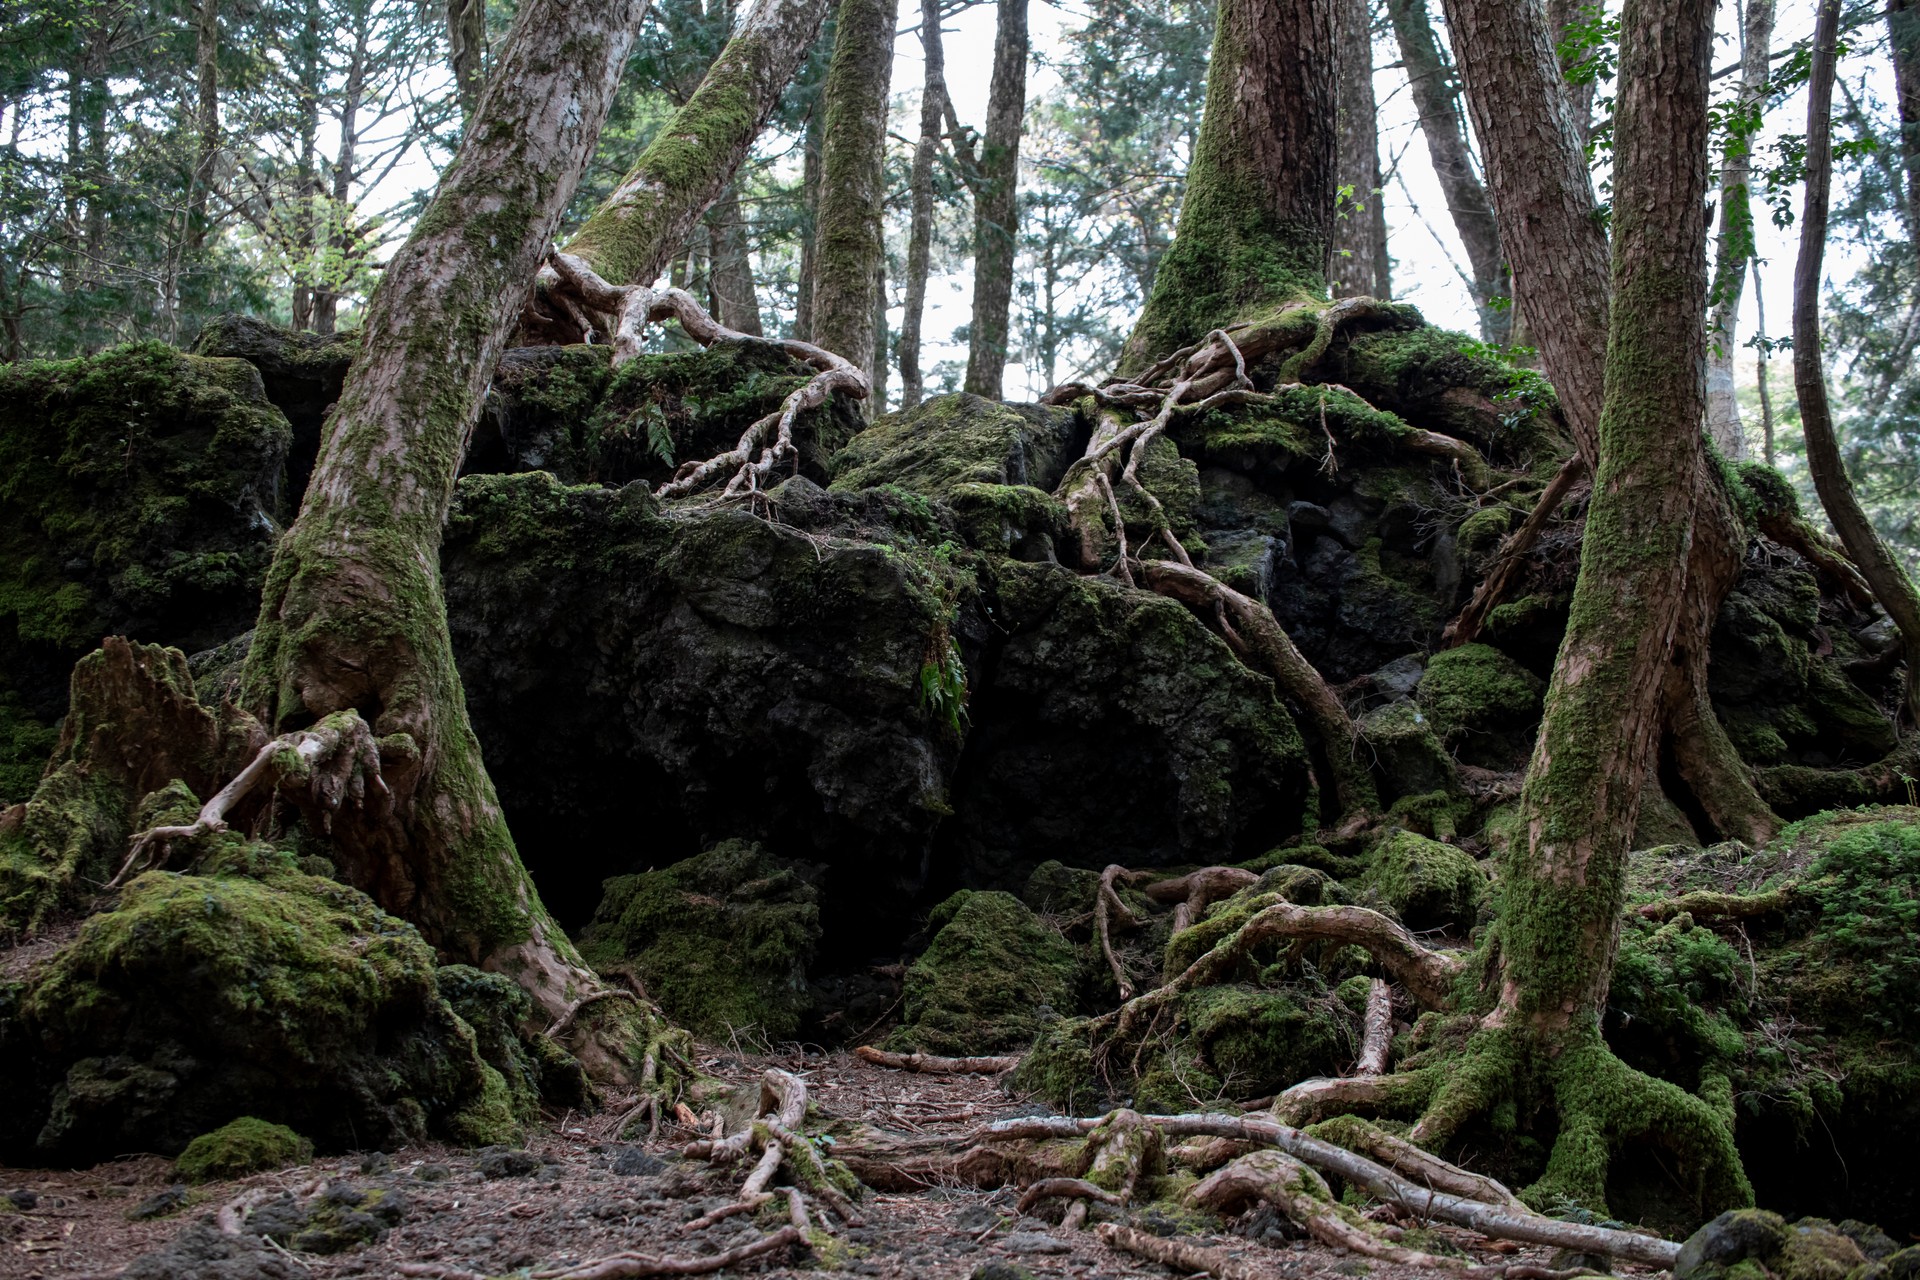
(1429, 885)
(288, 998)
(1408, 754)
(301, 372)
(1260, 1041)
(239, 1147)
(1749, 1244)
(1483, 704)
(961, 439)
(994, 975)
(722, 940)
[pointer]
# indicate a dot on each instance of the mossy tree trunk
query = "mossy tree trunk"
(636, 231)
(933, 96)
(1436, 96)
(352, 617)
(996, 205)
(1903, 32)
(1358, 266)
(848, 243)
(1257, 219)
(1876, 561)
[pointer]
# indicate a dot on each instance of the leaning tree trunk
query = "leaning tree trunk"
(1734, 247)
(1257, 219)
(1829, 470)
(636, 231)
(933, 97)
(849, 247)
(1436, 95)
(352, 619)
(1358, 265)
(996, 205)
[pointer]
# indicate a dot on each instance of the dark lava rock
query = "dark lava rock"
(507, 1162)
(632, 1162)
(1733, 1237)
(160, 1204)
(202, 1252)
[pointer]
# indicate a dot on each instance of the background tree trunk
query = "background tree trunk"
(1562, 15)
(352, 615)
(1257, 219)
(933, 96)
(810, 224)
(333, 233)
(849, 248)
(206, 31)
(1443, 124)
(996, 205)
(467, 51)
(738, 303)
(634, 234)
(1734, 247)
(1903, 31)
(1358, 266)
(1829, 470)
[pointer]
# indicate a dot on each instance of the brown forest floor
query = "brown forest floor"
(579, 1204)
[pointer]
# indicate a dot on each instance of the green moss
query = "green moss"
(1429, 885)
(240, 1147)
(991, 979)
(722, 939)
(1455, 384)
(1407, 752)
(25, 744)
(1059, 1069)
(1477, 689)
(1259, 1042)
(951, 441)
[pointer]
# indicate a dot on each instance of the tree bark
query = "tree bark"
(467, 51)
(352, 616)
(1443, 124)
(1734, 247)
(810, 222)
(996, 205)
(1903, 30)
(1358, 264)
(1257, 218)
(206, 32)
(738, 303)
(1876, 562)
(877, 384)
(933, 97)
(631, 237)
(1561, 15)
(1565, 881)
(848, 247)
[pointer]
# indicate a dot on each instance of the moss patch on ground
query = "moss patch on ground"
(239, 1147)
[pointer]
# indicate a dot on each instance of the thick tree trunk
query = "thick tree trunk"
(1358, 264)
(352, 616)
(738, 303)
(467, 51)
(1829, 470)
(1565, 880)
(848, 248)
(996, 205)
(933, 97)
(1734, 243)
(1257, 219)
(1436, 95)
(634, 234)
(206, 33)
(1903, 30)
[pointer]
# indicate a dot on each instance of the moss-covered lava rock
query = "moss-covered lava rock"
(1429, 885)
(1483, 704)
(239, 1147)
(993, 976)
(949, 441)
(722, 940)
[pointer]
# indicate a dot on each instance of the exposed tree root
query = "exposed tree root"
(1415, 1163)
(1310, 1101)
(1493, 589)
(1184, 1257)
(1193, 893)
(933, 1064)
(767, 445)
(1065, 1188)
(1106, 905)
(1813, 546)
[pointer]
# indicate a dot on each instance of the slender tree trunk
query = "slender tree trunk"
(1258, 213)
(1903, 30)
(877, 396)
(631, 237)
(467, 51)
(1760, 349)
(307, 178)
(933, 95)
(337, 234)
(206, 31)
(1561, 16)
(810, 221)
(1565, 881)
(1829, 470)
(1357, 266)
(1734, 247)
(738, 304)
(352, 616)
(849, 250)
(996, 205)
(1443, 124)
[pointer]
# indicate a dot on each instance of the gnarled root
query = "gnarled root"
(1416, 1164)
(1194, 892)
(1376, 1040)
(775, 1135)
(1313, 1100)
(626, 1266)
(1182, 1256)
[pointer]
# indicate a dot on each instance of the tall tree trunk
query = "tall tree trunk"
(307, 72)
(996, 205)
(933, 95)
(337, 234)
(849, 249)
(877, 395)
(1258, 213)
(1829, 470)
(1903, 30)
(352, 617)
(1443, 124)
(1561, 17)
(1358, 264)
(738, 304)
(633, 234)
(1549, 223)
(1734, 246)
(467, 51)
(206, 39)
(810, 145)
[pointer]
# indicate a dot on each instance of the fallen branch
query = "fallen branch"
(624, 1266)
(1065, 1188)
(933, 1064)
(1189, 1259)
(1377, 1039)
(1493, 588)
(1706, 904)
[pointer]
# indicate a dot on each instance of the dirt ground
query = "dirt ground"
(584, 1194)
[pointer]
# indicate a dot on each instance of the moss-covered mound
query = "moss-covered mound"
(1483, 704)
(239, 1147)
(721, 940)
(954, 440)
(277, 995)
(1427, 884)
(992, 977)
